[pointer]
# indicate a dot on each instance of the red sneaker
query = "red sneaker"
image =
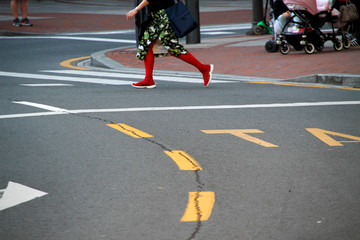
(144, 84)
(207, 75)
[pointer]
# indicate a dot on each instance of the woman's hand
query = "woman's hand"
(131, 14)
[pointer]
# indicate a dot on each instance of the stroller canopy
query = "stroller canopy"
(312, 6)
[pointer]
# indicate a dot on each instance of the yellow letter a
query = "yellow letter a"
(322, 135)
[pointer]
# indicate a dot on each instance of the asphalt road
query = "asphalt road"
(267, 161)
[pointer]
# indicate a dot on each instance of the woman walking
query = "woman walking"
(159, 28)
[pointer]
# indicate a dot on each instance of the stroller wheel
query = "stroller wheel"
(346, 42)
(285, 48)
(258, 30)
(338, 45)
(271, 46)
(309, 48)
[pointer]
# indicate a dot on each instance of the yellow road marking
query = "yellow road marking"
(133, 132)
(199, 207)
(241, 133)
(183, 160)
(304, 85)
(68, 63)
(322, 135)
(200, 204)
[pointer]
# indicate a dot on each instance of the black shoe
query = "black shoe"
(26, 22)
(16, 22)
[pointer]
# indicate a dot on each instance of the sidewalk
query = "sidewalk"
(237, 55)
(245, 55)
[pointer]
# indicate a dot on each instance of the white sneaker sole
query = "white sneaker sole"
(210, 73)
(144, 87)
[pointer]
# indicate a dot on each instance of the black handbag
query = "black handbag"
(181, 19)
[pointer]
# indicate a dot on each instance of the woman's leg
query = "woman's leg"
(205, 69)
(24, 8)
(149, 61)
(14, 8)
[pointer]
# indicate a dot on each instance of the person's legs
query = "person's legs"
(24, 11)
(148, 82)
(24, 8)
(149, 61)
(205, 69)
(14, 9)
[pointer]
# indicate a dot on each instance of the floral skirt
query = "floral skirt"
(160, 28)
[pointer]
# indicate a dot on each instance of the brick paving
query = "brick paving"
(67, 23)
(83, 22)
(254, 61)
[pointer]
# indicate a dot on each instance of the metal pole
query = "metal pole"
(194, 36)
(257, 14)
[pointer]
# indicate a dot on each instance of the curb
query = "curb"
(351, 80)
(99, 59)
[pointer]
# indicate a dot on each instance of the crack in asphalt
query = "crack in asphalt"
(196, 172)
(192, 163)
(197, 205)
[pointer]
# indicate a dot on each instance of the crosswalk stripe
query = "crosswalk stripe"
(47, 85)
(96, 77)
(71, 38)
(218, 33)
(94, 73)
(64, 78)
(195, 79)
(226, 27)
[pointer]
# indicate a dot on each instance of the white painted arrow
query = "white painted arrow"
(16, 194)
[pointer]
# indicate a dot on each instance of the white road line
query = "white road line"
(71, 38)
(203, 28)
(218, 33)
(218, 107)
(128, 31)
(130, 76)
(42, 106)
(26, 115)
(47, 85)
(96, 73)
(225, 27)
(182, 79)
(62, 78)
(177, 108)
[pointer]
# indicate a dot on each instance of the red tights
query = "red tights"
(149, 63)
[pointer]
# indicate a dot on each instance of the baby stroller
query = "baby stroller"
(277, 7)
(305, 31)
